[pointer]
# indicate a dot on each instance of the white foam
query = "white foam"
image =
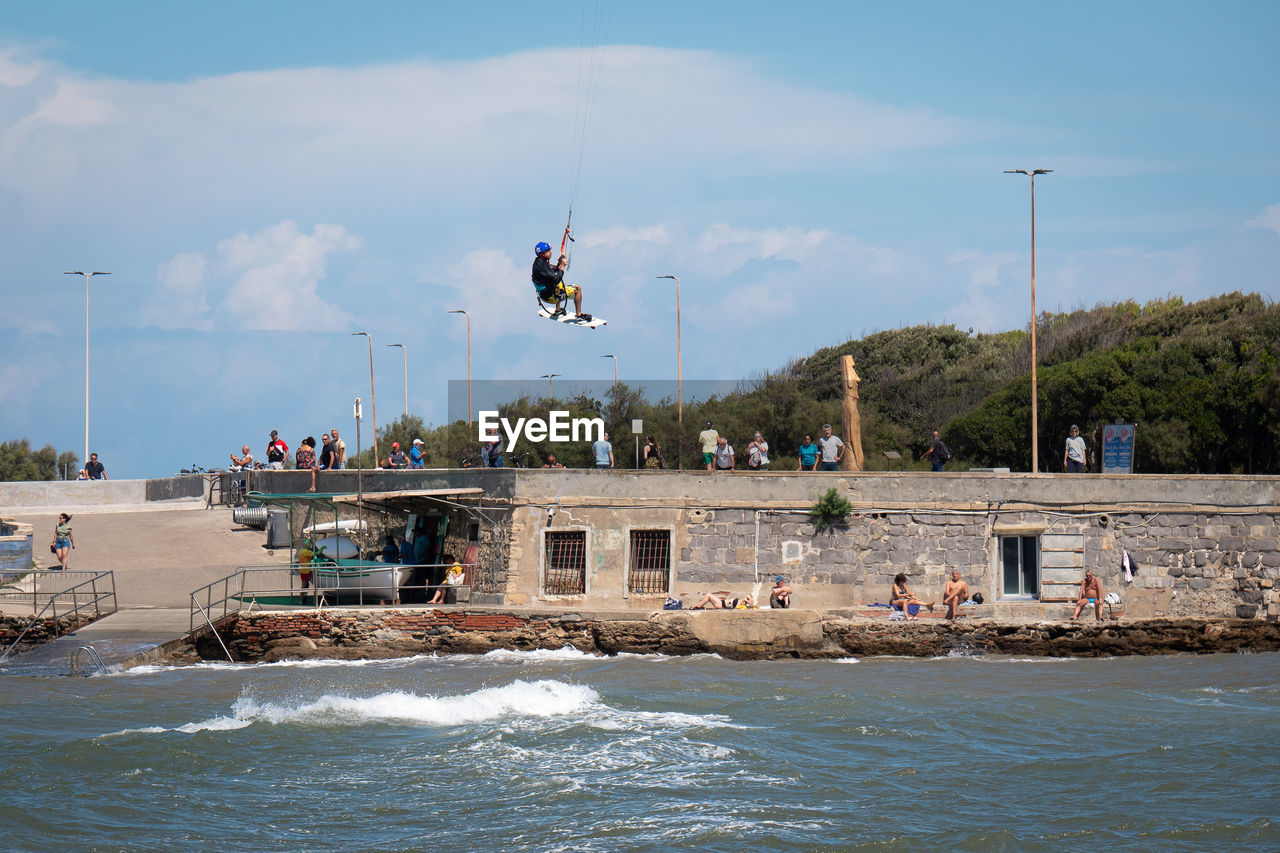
(565, 653)
(309, 663)
(538, 699)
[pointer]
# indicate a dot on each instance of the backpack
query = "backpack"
(944, 454)
(673, 604)
(275, 454)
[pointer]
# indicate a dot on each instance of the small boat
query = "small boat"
(367, 579)
(338, 547)
(347, 525)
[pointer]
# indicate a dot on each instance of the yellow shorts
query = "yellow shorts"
(562, 291)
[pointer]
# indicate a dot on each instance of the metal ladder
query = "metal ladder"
(95, 660)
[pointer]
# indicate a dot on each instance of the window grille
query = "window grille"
(650, 562)
(566, 566)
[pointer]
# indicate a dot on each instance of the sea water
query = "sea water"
(563, 751)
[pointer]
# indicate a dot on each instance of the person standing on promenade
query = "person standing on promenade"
(603, 451)
(709, 437)
(723, 454)
(306, 459)
(277, 452)
(653, 454)
(938, 452)
(1075, 458)
(758, 453)
(339, 451)
(1090, 594)
(63, 539)
(832, 449)
(808, 454)
(955, 594)
(327, 455)
(95, 469)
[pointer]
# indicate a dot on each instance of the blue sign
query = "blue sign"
(1117, 449)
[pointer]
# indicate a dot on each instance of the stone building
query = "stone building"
(1204, 546)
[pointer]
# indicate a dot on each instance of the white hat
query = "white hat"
(417, 441)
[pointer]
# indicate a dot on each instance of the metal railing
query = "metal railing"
(320, 585)
(95, 660)
(64, 594)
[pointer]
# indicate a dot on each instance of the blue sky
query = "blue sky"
(264, 179)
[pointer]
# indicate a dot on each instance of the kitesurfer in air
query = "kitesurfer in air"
(548, 279)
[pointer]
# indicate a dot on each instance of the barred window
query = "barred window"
(566, 566)
(650, 562)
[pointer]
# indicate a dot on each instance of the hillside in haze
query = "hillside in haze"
(1201, 380)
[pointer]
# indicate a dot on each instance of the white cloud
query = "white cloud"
(15, 73)
(278, 271)
(1269, 218)
(180, 299)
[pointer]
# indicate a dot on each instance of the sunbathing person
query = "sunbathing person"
(955, 594)
(902, 598)
(711, 601)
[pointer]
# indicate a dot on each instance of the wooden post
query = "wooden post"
(853, 458)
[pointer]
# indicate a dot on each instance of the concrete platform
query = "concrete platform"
(123, 639)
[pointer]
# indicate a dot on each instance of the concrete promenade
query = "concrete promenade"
(159, 551)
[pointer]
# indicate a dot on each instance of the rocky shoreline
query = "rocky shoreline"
(740, 635)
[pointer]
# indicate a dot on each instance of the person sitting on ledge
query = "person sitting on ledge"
(714, 601)
(904, 599)
(1090, 594)
(955, 594)
(780, 595)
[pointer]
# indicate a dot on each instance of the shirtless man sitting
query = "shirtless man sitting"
(955, 594)
(780, 595)
(1090, 593)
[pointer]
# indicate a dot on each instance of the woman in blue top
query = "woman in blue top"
(808, 454)
(63, 539)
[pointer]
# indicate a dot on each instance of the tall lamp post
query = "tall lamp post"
(679, 381)
(373, 399)
(548, 377)
(615, 367)
(469, 410)
(405, 357)
(87, 276)
(1035, 419)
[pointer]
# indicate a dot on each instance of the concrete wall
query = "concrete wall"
(61, 494)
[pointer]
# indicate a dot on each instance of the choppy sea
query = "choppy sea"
(562, 751)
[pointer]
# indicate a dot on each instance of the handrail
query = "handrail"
(241, 588)
(73, 591)
(94, 658)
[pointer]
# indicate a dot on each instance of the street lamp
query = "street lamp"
(405, 354)
(460, 311)
(548, 377)
(1035, 426)
(615, 367)
(87, 276)
(373, 400)
(679, 381)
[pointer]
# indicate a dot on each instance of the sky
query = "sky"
(264, 179)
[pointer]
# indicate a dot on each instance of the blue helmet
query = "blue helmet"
(541, 247)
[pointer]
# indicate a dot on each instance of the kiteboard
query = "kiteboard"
(572, 319)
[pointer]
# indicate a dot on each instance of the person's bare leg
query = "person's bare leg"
(1098, 604)
(1079, 606)
(577, 300)
(62, 557)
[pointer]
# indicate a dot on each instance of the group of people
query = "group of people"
(825, 454)
(779, 598)
(441, 577)
(902, 599)
(399, 460)
(332, 455)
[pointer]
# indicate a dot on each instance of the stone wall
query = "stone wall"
(360, 634)
(44, 630)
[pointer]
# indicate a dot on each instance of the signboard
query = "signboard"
(1117, 449)
(637, 427)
